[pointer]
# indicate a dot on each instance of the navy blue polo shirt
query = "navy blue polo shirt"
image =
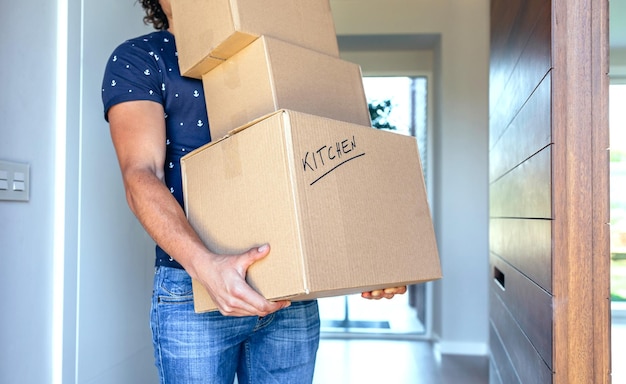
(146, 68)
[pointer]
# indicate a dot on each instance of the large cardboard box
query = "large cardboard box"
(342, 206)
(210, 31)
(269, 75)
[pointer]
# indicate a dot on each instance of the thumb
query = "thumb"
(256, 254)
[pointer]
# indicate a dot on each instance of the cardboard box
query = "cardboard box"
(342, 206)
(207, 30)
(269, 75)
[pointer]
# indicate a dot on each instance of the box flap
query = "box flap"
(255, 121)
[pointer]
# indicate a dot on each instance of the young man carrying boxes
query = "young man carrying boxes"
(148, 103)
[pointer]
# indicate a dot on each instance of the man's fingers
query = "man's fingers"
(396, 290)
(387, 293)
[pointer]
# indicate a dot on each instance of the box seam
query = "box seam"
(287, 128)
(234, 12)
(270, 70)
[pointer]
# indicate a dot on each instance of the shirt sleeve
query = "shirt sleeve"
(132, 73)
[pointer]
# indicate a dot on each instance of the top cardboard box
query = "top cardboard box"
(342, 206)
(211, 31)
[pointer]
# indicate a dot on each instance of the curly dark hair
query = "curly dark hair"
(154, 14)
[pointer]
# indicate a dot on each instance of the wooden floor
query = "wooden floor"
(394, 362)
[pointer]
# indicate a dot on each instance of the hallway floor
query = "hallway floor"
(355, 361)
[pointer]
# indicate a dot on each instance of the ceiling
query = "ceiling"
(617, 35)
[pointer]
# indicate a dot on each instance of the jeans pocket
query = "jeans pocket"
(174, 286)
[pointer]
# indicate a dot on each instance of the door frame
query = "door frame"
(582, 316)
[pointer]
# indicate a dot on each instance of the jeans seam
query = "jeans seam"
(157, 333)
(248, 361)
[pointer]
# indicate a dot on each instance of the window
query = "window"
(617, 123)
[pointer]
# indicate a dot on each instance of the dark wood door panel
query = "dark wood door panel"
(501, 370)
(529, 304)
(529, 132)
(526, 191)
(527, 363)
(513, 22)
(526, 244)
(507, 37)
(533, 65)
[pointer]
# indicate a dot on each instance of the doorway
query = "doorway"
(398, 104)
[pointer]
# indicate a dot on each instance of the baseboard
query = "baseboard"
(456, 348)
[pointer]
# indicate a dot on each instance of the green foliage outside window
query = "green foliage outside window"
(379, 114)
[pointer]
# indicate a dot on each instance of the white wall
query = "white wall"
(85, 239)
(461, 149)
(26, 237)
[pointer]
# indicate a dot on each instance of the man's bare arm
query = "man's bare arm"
(138, 134)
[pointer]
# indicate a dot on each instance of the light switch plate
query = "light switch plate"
(22, 171)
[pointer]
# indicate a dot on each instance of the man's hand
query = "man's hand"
(387, 293)
(224, 277)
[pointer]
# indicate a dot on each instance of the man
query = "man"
(156, 116)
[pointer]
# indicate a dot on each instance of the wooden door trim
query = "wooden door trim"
(601, 207)
(580, 194)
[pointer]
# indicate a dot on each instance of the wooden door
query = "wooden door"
(549, 196)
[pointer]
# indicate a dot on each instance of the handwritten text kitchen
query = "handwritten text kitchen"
(333, 156)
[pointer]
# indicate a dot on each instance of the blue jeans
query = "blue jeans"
(192, 348)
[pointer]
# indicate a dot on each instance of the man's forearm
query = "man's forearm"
(163, 218)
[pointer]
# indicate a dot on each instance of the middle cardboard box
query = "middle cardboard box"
(342, 206)
(271, 74)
